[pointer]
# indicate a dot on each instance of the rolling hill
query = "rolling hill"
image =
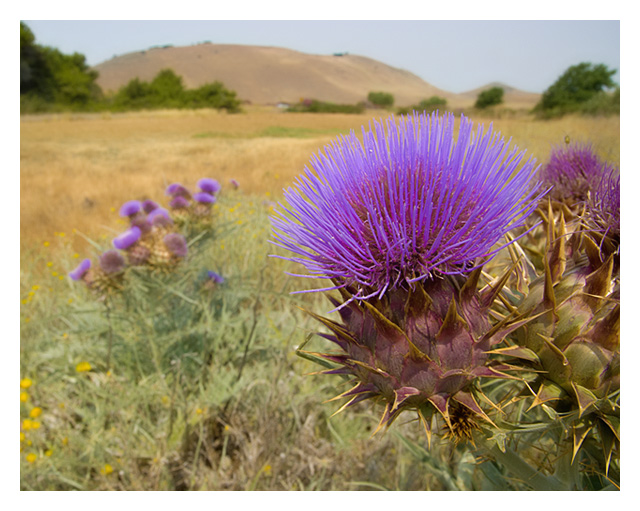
(268, 75)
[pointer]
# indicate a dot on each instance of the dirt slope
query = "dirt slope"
(268, 75)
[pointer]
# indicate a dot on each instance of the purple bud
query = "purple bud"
(209, 185)
(142, 223)
(234, 183)
(148, 206)
(204, 198)
(215, 277)
(158, 212)
(130, 208)
(177, 190)
(179, 203)
(112, 262)
(127, 238)
(80, 270)
(176, 243)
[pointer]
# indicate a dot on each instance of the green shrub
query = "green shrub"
(315, 106)
(490, 97)
(426, 105)
(574, 89)
(381, 99)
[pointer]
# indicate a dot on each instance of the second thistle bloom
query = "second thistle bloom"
(412, 201)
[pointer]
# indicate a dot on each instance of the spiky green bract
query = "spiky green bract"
(420, 349)
(573, 337)
(411, 202)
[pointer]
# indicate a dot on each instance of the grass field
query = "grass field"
(188, 387)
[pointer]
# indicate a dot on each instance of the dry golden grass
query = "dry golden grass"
(76, 171)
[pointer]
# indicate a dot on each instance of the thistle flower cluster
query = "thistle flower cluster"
(195, 207)
(153, 239)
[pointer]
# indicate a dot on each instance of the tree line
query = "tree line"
(52, 81)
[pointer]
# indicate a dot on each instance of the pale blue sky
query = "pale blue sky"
(455, 56)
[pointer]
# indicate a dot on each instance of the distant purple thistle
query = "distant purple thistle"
(179, 202)
(215, 277)
(204, 198)
(176, 243)
(572, 170)
(148, 206)
(209, 185)
(160, 217)
(177, 190)
(234, 184)
(127, 238)
(130, 208)
(80, 270)
(112, 262)
(409, 204)
(605, 201)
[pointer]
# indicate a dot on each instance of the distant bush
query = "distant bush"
(580, 88)
(490, 97)
(51, 80)
(315, 106)
(426, 105)
(381, 99)
(166, 90)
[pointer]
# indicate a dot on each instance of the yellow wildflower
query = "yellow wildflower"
(27, 424)
(76, 255)
(83, 367)
(70, 300)
(35, 412)
(35, 425)
(65, 441)
(35, 288)
(21, 436)
(108, 469)
(24, 397)
(199, 411)
(46, 243)
(31, 457)
(48, 452)
(50, 264)
(25, 383)
(267, 470)
(54, 273)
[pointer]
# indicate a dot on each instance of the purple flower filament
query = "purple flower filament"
(409, 203)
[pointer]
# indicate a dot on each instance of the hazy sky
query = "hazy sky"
(455, 56)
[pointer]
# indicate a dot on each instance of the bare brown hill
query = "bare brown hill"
(269, 75)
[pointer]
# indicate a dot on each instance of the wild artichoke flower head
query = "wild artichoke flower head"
(604, 202)
(179, 202)
(204, 198)
(127, 238)
(411, 202)
(176, 243)
(130, 208)
(209, 185)
(112, 262)
(572, 170)
(148, 206)
(80, 270)
(178, 190)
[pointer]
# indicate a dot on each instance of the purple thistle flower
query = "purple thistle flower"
(112, 262)
(127, 238)
(80, 270)
(177, 190)
(234, 183)
(176, 243)
(204, 198)
(572, 170)
(142, 223)
(179, 202)
(148, 206)
(130, 208)
(215, 277)
(209, 185)
(158, 212)
(410, 203)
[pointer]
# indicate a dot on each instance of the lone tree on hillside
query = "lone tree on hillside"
(382, 99)
(490, 97)
(576, 86)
